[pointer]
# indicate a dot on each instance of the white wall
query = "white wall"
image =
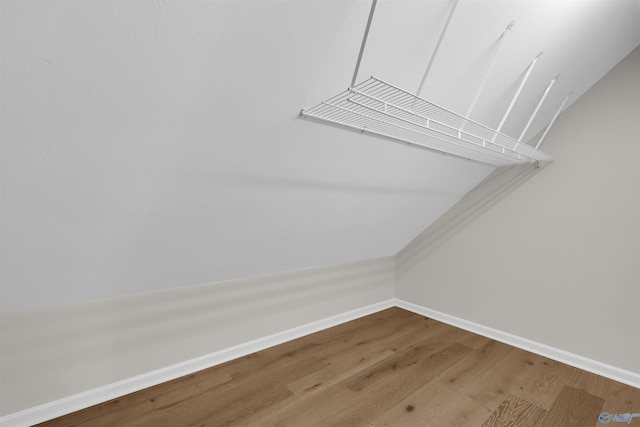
(52, 353)
(150, 145)
(558, 260)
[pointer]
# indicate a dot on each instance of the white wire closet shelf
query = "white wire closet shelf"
(377, 107)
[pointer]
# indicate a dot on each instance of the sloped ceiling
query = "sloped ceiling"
(154, 144)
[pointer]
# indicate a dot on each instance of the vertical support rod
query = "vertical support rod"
(515, 97)
(486, 74)
(555, 116)
(435, 51)
(364, 42)
(535, 112)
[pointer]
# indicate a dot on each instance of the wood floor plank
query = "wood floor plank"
(479, 366)
(542, 384)
(356, 355)
(351, 360)
(220, 409)
(619, 398)
(515, 412)
(389, 334)
(376, 324)
(311, 387)
(359, 400)
(490, 388)
(126, 410)
(573, 407)
(474, 341)
(374, 398)
(349, 356)
(443, 401)
(392, 368)
(434, 405)
(353, 363)
(411, 356)
(418, 361)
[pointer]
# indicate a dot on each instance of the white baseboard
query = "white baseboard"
(91, 397)
(94, 396)
(586, 364)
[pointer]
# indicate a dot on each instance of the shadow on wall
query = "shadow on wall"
(488, 193)
(57, 352)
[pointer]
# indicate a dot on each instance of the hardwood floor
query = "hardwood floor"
(392, 368)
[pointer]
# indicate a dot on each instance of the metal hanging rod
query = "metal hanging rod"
(435, 50)
(364, 42)
(517, 94)
(501, 39)
(553, 120)
(535, 112)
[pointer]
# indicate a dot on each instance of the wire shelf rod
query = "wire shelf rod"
(391, 136)
(362, 122)
(448, 111)
(381, 108)
(388, 94)
(437, 48)
(423, 133)
(429, 120)
(457, 133)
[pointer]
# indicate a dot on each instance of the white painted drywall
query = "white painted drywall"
(558, 260)
(52, 353)
(149, 145)
(153, 145)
